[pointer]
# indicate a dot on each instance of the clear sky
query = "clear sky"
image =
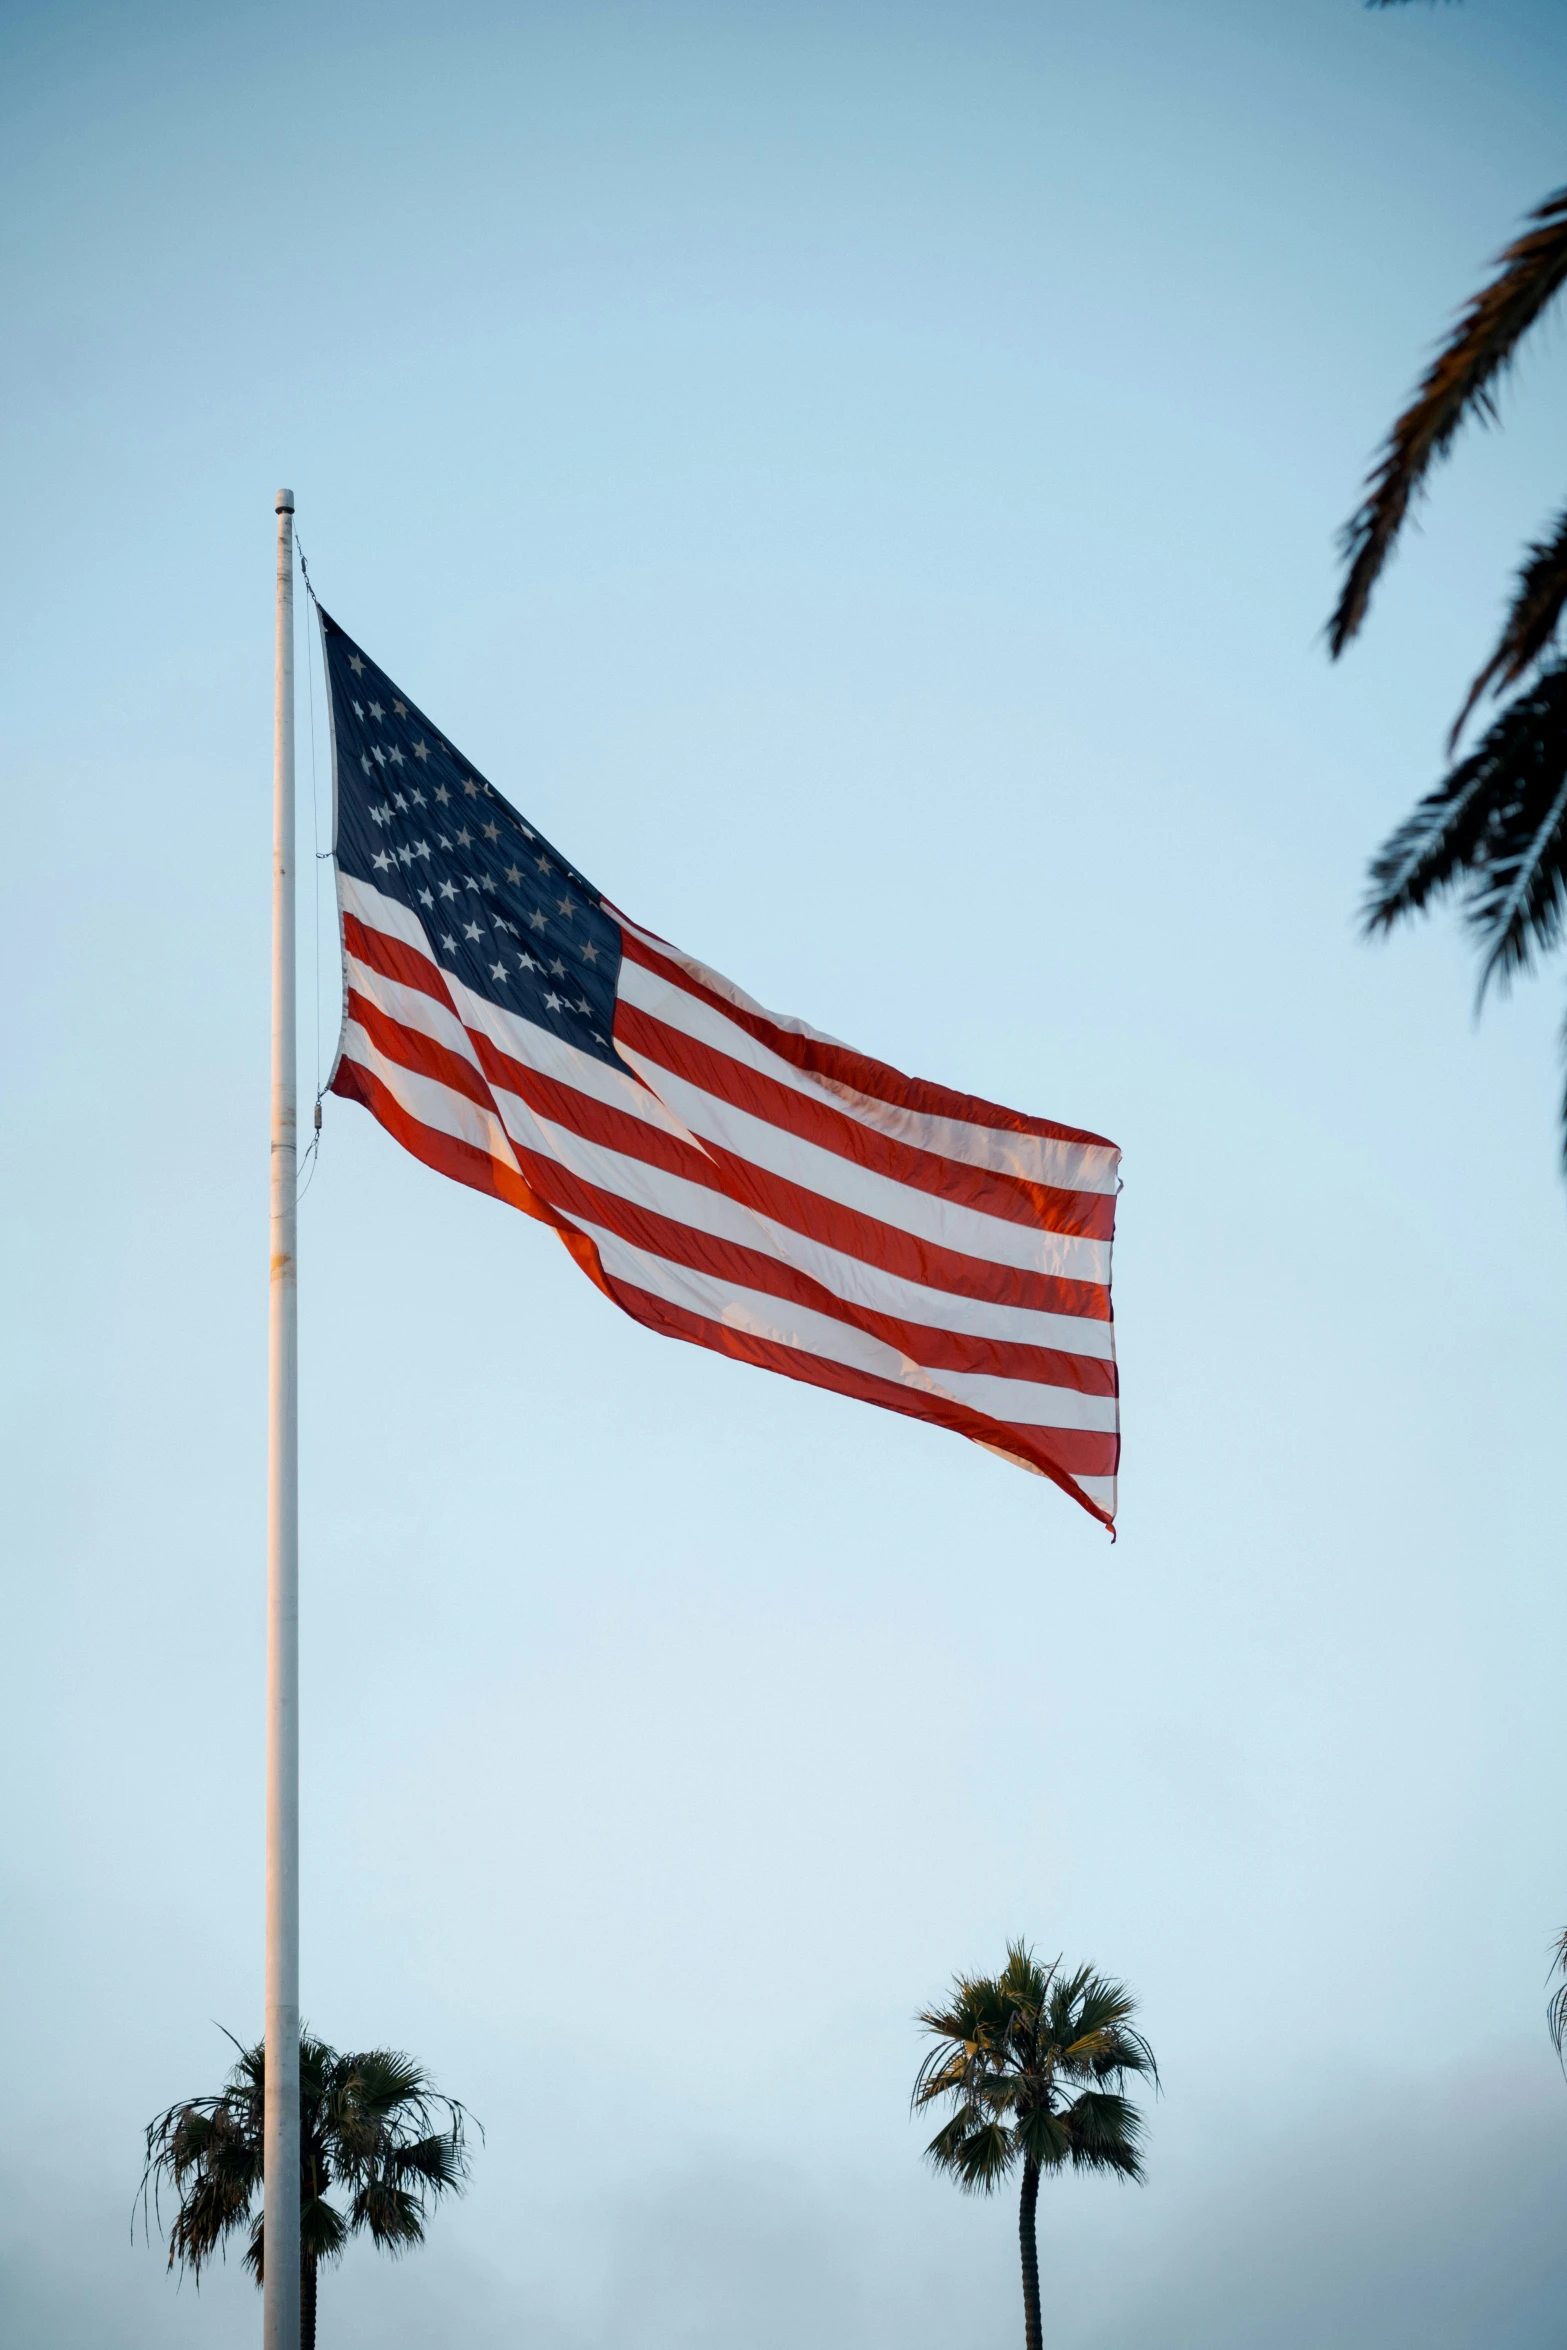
(863, 477)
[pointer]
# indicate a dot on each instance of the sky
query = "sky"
(863, 479)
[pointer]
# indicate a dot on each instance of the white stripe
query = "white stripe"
(520, 1039)
(1032, 1158)
(454, 1113)
(1017, 1402)
(865, 1287)
(1066, 1252)
(1065, 1256)
(1098, 1489)
(381, 912)
(851, 1278)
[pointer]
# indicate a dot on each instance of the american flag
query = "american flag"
(724, 1174)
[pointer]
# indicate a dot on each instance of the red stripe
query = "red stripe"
(1089, 1213)
(849, 1067)
(1058, 1453)
(410, 1048)
(1061, 1454)
(792, 1205)
(727, 1260)
(444, 1152)
(395, 959)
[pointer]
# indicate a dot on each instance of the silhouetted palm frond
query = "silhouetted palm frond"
(1531, 622)
(1556, 2012)
(1496, 828)
(1459, 383)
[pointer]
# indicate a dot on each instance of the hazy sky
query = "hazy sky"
(864, 479)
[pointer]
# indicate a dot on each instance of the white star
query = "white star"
(470, 930)
(442, 794)
(395, 755)
(536, 919)
(364, 762)
(492, 832)
(590, 953)
(375, 710)
(552, 1002)
(417, 797)
(421, 848)
(597, 1038)
(448, 889)
(381, 815)
(559, 968)
(399, 802)
(445, 843)
(544, 864)
(567, 908)
(383, 863)
(470, 787)
(356, 665)
(359, 709)
(584, 1006)
(425, 898)
(470, 883)
(401, 708)
(449, 943)
(527, 964)
(405, 856)
(514, 874)
(527, 835)
(421, 749)
(377, 754)
(464, 838)
(497, 970)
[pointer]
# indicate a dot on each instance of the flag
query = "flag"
(724, 1174)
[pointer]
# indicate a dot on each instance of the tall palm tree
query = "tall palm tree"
(1033, 2062)
(1494, 829)
(368, 2125)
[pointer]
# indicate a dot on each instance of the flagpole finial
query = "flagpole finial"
(285, 502)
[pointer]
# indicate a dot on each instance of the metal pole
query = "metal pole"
(280, 2129)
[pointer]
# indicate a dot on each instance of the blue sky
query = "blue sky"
(864, 479)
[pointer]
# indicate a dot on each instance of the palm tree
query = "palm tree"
(1034, 2063)
(1495, 828)
(368, 2124)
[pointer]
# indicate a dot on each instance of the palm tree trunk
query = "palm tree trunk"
(307, 2305)
(1025, 2230)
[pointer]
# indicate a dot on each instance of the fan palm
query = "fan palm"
(1033, 2062)
(369, 2125)
(1495, 828)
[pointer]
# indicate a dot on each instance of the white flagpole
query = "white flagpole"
(280, 2128)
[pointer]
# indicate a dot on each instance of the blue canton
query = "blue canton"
(504, 912)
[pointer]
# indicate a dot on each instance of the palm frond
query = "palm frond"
(393, 2216)
(975, 2149)
(1105, 2130)
(1532, 621)
(1460, 383)
(1497, 826)
(1556, 2012)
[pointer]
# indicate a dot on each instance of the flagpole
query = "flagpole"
(280, 2126)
